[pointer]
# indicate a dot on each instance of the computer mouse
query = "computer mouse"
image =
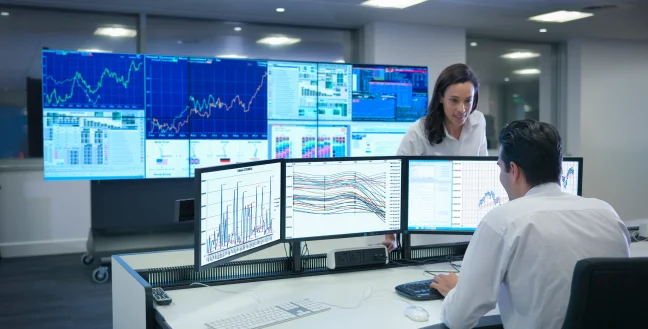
(417, 313)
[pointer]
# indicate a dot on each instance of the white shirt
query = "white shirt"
(523, 255)
(472, 141)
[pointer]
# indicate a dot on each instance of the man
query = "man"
(523, 253)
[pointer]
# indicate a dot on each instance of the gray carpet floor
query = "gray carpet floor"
(52, 292)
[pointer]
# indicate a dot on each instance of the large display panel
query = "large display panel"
(240, 209)
(453, 195)
(327, 198)
(171, 115)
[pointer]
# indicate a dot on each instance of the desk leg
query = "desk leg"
(407, 246)
(296, 256)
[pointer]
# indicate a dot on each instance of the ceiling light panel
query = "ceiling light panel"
(116, 32)
(527, 71)
(397, 4)
(520, 55)
(560, 16)
(278, 41)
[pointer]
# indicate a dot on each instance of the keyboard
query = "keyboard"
(418, 290)
(270, 316)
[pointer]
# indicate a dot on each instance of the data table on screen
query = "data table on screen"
(240, 210)
(327, 198)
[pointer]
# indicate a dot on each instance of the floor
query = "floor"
(52, 292)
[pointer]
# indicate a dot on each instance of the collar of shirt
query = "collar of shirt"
(544, 188)
(468, 126)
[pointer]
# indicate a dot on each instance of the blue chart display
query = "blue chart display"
(193, 112)
(92, 80)
(389, 93)
(239, 210)
(326, 198)
(228, 99)
(167, 92)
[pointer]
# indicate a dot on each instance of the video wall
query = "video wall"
(134, 116)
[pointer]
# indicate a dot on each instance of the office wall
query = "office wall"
(606, 121)
(42, 218)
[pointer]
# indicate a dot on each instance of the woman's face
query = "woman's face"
(457, 102)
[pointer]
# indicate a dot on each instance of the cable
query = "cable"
(636, 238)
(305, 251)
(364, 298)
(256, 296)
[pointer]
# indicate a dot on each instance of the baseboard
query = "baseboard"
(43, 248)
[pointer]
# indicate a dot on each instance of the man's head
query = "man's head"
(530, 155)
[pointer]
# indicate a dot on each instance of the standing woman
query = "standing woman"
(452, 126)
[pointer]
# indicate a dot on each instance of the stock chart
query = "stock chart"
(193, 112)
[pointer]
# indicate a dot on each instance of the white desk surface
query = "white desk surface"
(381, 308)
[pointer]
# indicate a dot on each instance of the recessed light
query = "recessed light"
(278, 41)
(543, 30)
(398, 4)
(507, 79)
(117, 32)
(94, 50)
(281, 10)
(520, 55)
(231, 56)
(527, 71)
(238, 29)
(341, 61)
(4, 13)
(473, 44)
(560, 16)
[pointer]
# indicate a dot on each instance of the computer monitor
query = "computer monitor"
(344, 197)
(452, 195)
(240, 207)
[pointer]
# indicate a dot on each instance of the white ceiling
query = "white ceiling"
(493, 18)
(25, 32)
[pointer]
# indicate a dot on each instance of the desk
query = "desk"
(381, 308)
(191, 308)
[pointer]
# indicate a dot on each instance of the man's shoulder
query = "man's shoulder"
(502, 216)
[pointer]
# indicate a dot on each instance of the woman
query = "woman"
(452, 126)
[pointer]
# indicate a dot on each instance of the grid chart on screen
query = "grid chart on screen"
(240, 210)
(228, 99)
(92, 80)
(167, 83)
(342, 197)
(569, 177)
(481, 190)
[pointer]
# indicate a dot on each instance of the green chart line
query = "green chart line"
(78, 79)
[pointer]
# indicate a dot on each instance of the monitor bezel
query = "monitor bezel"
(406, 230)
(349, 235)
(198, 220)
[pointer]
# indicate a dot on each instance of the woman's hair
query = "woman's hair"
(453, 74)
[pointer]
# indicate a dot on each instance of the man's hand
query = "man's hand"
(444, 283)
(390, 242)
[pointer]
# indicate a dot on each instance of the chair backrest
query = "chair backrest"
(608, 293)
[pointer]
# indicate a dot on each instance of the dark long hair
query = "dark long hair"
(453, 74)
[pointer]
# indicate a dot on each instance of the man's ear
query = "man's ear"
(515, 171)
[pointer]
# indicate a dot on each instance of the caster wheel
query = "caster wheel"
(87, 259)
(100, 274)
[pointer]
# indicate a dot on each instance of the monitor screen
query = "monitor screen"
(133, 116)
(342, 197)
(240, 211)
(452, 196)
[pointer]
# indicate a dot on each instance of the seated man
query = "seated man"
(523, 253)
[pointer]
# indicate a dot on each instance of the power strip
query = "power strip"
(354, 257)
(643, 230)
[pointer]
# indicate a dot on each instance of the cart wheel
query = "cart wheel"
(87, 259)
(101, 274)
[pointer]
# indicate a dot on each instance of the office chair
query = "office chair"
(608, 293)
